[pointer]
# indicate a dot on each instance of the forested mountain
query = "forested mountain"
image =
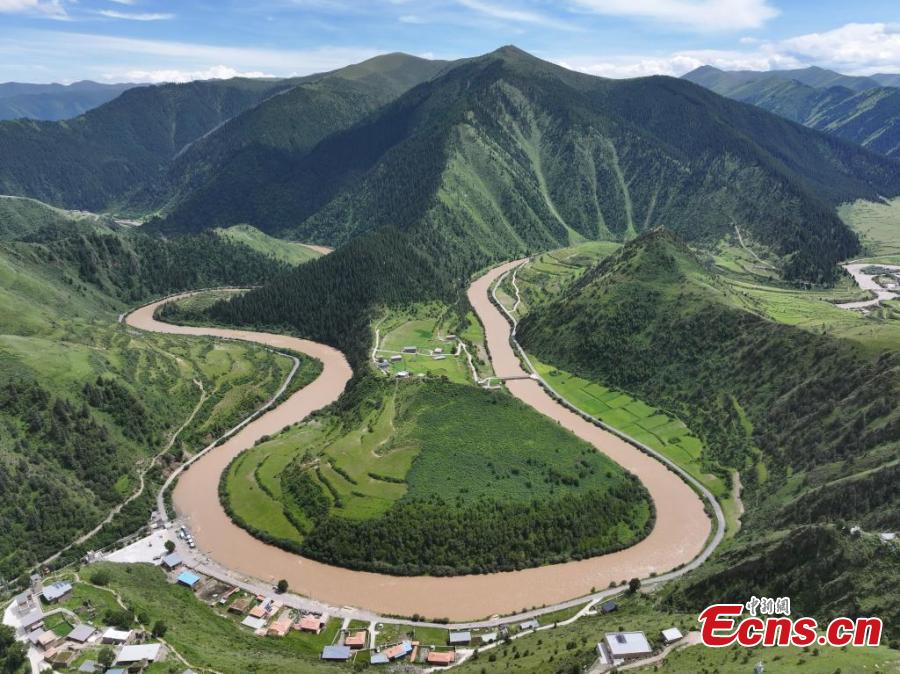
(506, 153)
(809, 420)
(857, 109)
(52, 102)
(95, 159)
(124, 150)
(238, 158)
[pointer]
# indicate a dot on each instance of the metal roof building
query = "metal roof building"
(81, 633)
(337, 653)
(138, 653)
(188, 578)
(671, 635)
(172, 561)
(32, 618)
(627, 645)
(115, 636)
(400, 650)
(56, 591)
(457, 638)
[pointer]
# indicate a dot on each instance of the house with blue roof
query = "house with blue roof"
(188, 579)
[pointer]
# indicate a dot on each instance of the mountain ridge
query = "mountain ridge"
(865, 111)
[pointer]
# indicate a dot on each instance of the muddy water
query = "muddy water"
(681, 530)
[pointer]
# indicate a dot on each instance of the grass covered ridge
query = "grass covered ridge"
(439, 478)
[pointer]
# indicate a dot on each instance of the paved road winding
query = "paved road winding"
(680, 534)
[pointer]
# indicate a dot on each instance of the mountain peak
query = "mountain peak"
(509, 51)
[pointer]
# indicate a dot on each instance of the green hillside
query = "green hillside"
(210, 180)
(807, 418)
(288, 252)
(410, 490)
(515, 134)
(856, 109)
(84, 402)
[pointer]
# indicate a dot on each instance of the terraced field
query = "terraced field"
(644, 423)
(426, 447)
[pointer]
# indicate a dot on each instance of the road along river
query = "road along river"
(681, 530)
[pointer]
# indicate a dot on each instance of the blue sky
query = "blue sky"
(165, 40)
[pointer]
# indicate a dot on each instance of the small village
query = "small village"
(71, 638)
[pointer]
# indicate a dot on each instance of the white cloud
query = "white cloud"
(53, 9)
(678, 63)
(853, 49)
(701, 15)
(219, 72)
(506, 13)
(136, 16)
(122, 59)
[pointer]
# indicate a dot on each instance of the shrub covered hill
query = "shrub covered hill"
(507, 153)
(809, 420)
(84, 401)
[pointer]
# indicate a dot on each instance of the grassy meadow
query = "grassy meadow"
(286, 251)
(426, 326)
(878, 226)
(646, 424)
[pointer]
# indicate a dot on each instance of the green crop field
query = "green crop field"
(424, 447)
(286, 251)
(878, 226)
(815, 310)
(391, 633)
(644, 423)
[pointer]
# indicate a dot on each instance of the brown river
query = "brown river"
(681, 530)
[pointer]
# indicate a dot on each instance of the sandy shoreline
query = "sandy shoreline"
(679, 535)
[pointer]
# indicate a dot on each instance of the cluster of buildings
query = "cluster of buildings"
(385, 363)
(47, 628)
(406, 650)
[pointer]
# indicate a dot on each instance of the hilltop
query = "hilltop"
(805, 418)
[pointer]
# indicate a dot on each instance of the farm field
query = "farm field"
(425, 327)
(411, 457)
(391, 633)
(549, 272)
(644, 423)
(878, 226)
(815, 310)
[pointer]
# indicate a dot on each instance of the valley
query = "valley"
(196, 496)
(449, 363)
